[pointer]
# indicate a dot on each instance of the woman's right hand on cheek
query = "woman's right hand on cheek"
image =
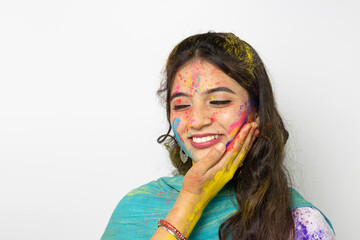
(209, 175)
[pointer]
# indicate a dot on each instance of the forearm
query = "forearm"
(184, 215)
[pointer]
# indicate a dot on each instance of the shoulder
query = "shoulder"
(138, 212)
(161, 186)
(311, 224)
(150, 194)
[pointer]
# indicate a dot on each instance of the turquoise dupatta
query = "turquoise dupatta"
(136, 215)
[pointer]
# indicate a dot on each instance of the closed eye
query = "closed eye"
(177, 107)
(220, 102)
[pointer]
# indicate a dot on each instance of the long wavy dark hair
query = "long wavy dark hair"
(261, 187)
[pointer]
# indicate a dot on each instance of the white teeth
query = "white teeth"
(204, 139)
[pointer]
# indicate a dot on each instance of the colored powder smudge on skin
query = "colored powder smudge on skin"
(234, 128)
(191, 121)
(178, 101)
(196, 85)
(214, 116)
(177, 88)
(179, 140)
(195, 77)
(242, 121)
(230, 144)
(187, 114)
(193, 84)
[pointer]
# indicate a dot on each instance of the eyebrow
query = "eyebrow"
(218, 89)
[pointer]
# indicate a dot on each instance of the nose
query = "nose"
(200, 116)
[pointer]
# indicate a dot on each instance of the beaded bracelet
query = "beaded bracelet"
(171, 229)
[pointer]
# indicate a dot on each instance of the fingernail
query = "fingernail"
(220, 147)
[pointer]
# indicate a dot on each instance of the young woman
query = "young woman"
(228, 149)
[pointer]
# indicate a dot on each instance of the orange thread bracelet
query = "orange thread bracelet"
(171, 229)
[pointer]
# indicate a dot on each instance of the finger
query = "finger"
(254, 137)
(239, 159)
(233, 149)
(243, 138)
(213, 156)
(240, 137)
(240, 153)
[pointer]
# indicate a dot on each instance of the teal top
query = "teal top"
(136, 215)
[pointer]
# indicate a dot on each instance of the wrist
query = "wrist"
(186, 212)
(194, 200)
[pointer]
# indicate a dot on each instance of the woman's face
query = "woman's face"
(207, 107)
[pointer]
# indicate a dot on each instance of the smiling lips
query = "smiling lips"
(206, 140)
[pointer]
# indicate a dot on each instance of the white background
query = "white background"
(79, 117)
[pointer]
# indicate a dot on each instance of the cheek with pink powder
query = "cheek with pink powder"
(235, 128)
